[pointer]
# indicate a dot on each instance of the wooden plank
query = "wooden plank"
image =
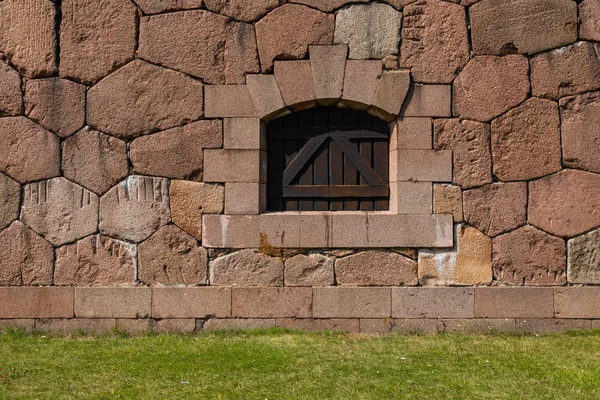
(336, 163)
(381, 155)
(358, 161)
(303, 157)
(291, 151)
(366, 151)
(285, 133)
(355, 191)
(305, 177)
(321, 177)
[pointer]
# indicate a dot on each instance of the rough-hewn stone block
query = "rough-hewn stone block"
(71, 325)
(295, 81)
(476, 325)
(238, 323)
(229, 101)
(10, 200)
(412, 134)
(271, 302)
(351, 302)
(241, 10)
(313, 324)
(390, 94)
(112, 302)
(242, 166)
(447, 199)
(244, 134)
(328, 64)
(11, 103)
(589, 14)
(361, 79)
(266, 96)
(191, 302)
(577, 302)
(36, 302)
(432, 303)
(376, 268)
(189, 200)
(551, 325)
(309, 270)
(424, 165)
(428, 101)
(246, 268)
(514, 302)
(584, 258)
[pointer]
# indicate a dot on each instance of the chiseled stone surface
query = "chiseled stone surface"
(60, 210)
(361, 79)
(94, 261)
(28, 37)
(135, 208)
(158, 6)
(470, 145)
(200, 43)
(328, 64)
(529, 256)
(96, 37)
(430, 59)
(489, 86)
(288, 30)
(29, 152)
(522, 26)
(589, 14)
(171, 256)
(308, 270)
(25, 258)
(584, 258)
(56, 104)
(246, 268)
(10, 200)
(565, 204)
(10, 91)
(526, 141)
(566, 71)
(468, 263)
(295, 81)
(496, 208)
(376, 268)
(241, 10)
(140, 98)
(580, 129)
(447, 199)
(94, 160)
(189, 200)
(327, 5)
(354, 26)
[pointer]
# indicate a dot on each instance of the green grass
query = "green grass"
(280, 364)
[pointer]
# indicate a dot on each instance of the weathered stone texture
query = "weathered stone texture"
(241, 10)
(28, 37)
(526, 141)
(565, 204)
(580, 129)
(522, 26)
(135, 208)
(189, 200)
(295, 80)
(496, 208)
(10, 91)
(171, 256)
(94, 261)
(589, 14)
(10, 200)
(200, 43)
(141, 98)
(287, 31)
(56, 104)
(489, 86)
(29, 152)
(584, 258)
(177, 152)
(371, 31)
(96, 37)
(25, 258)
(266, 96)
(60, 210)
(470, 145)
(308, 270)
(566, 71)
(529, 256)
(468, 263)
(328, 64)
(433, 60)
(376, 268)
(246, 268)
(447, 199)
(159, 6)
(361, 79)
(94, 160)
(327, 5)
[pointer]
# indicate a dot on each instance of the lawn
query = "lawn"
(279, 364)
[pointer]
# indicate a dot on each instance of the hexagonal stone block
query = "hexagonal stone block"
(94, 160)
(141, 98)
(25, 258)
(10, 199)
(189, 200)
(308, 270)
(589, 14)
(10, 91)
(584, 258)
(246, 268)
(327, 5)
(159, 6)
(95, 260)
(171, 256)
(60, 210)
(376, 268)
(241, 10)
(29, 152)
(135, 208)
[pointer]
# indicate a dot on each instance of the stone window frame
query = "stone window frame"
(328, 78)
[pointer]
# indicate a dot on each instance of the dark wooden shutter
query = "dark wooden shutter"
(328, 158)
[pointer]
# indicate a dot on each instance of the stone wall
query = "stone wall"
(132, 154)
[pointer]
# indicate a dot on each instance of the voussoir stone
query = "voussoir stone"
(241, 10)
(529, 256)
(580, 129)
(96, 37)
(287, 31)
(565, 204)
(522, 26)
(140, 98)
(589, 14)
(189, 200)
(60, 210)
(56, 104)
(95, 260)
(309, 270)
(376, 268)
(246, 268)
(327, 5)
(584, 258)
(496, 208)
(470, 145)
(158, 6)
(430, 59)
(25, 257)
(355, 26)
(526, 141)
(29, 152)
(489, 86)
(177, 152)
(171, 256)
(28, 38)
(200, 43)
(135, 208)
(10, 91)
(10, 199)
(94, 160)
